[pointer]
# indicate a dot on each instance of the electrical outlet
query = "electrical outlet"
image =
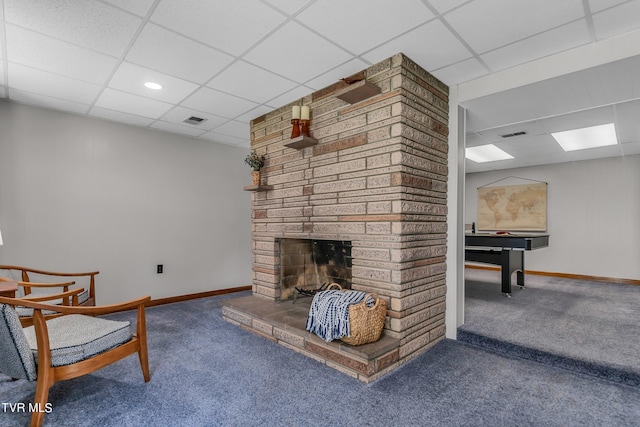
(159, 269)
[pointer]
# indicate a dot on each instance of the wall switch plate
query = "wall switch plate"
(159, 269)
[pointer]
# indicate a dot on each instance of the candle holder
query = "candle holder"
(304, 127)
(295, 130)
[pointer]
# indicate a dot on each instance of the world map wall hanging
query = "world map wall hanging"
(513, 207)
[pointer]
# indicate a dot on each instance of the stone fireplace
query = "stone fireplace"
(372, 182)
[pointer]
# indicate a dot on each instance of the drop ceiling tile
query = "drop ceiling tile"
(344, 70)
(87, 23)
(35, 50)
(254, 114)
(432, 46)
(345, 22)
(627, 123)
(176, 55)
(174, 128)
(288, 7)
(251, 82)
(231, 26)
(40, 82)
(630, 148)
(48, 102)
(443, 6)
(598, 5)
(133, 104)
(234, 128)
(617, 20)
(538, 46)
(224, 139)
(131, 78)
(297, 53)
(505, 22)
(460, 72)
(220, 104)
(292, 95)
(120, 117)
(138, 7)
(179, 114)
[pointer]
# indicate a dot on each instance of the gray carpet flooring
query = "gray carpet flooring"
(590, 322)
(208, 372)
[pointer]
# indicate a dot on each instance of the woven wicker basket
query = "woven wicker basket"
(365, 323)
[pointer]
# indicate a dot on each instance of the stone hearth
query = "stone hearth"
(373, 173)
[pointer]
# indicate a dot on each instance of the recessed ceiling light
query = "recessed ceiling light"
(153, 85)
(591, 137)
(486, 153)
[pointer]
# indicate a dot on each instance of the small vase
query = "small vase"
(256, 177)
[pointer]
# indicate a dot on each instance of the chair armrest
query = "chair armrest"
(72, 309)
(49, 273)
(72, 294)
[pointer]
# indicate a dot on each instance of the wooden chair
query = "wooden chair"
(84, 299)
(69, 346)
(66, 297)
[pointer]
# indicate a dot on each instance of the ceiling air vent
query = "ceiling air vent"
(193, 120)
(509, 135)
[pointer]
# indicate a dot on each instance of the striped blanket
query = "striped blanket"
(329, 313)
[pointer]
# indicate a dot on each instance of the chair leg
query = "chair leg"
(40, 400)
(143, 352)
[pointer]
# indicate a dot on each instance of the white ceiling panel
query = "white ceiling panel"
(119, 116)
(174, 128)
(344, 22)
(131, 78)
(254, 113)
(248, 81)
(312, 54)
(133, 104)
(179, 114)
(538, 46)
(176, 55)
(38, 51)
(289, 7)
(617, 20)
(288, 97)
(41, 82)
(88, 23)
(234, 128)
(506, 22)
(462, 71)
(231, 26)
(138, 7)
(230, 62)
(432, 45)
(226, 139)
(344, 70)
(48, 102)
(220, 104)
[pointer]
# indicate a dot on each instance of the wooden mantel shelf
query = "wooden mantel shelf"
(358, 91)
(301, 142)
(260, 187)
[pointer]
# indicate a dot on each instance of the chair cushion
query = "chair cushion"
(16, 358)
(76, 337)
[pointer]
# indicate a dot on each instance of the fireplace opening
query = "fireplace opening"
(310, 265)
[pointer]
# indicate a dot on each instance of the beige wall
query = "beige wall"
(79, 193)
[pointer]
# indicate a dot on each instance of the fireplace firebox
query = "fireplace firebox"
(310, 264)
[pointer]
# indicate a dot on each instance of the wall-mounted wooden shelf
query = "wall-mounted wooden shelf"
(358, 91)
(301, 142)
(258, 187)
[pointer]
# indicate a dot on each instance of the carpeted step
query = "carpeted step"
(618, 374)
